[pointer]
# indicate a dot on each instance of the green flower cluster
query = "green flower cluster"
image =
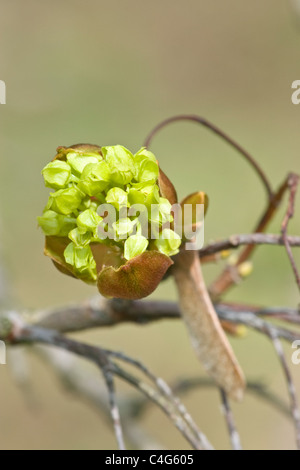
(82, 181)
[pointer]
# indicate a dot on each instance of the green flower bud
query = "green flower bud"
(56, 174)
(134, 246)
(168, 243)
(79, 162)
(56, 224)
(65, 201)
(123, 227)
(117, 198)
(95, 178)
(161, 212)
(88, 221)
(146, 187)
(80, 239)
(121, 163)
(136, 197)
(152, 195)
(81, 258)
(147, 166)
(145, 155)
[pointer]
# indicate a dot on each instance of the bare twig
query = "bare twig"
(24, 333)
(18, 333)
(220, 133)
(253, 321)
(293, 181)
(162, 396)
(110, 313)
(97, 312)
(167, 392)
(256, 388)
(235, 241)
(114, 409)
(233, 433)
(6, 289)
(83, 383)
(167, 408)
(290, 384)
(289, 315)
(228, 278)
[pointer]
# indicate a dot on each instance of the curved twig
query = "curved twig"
(220, 133)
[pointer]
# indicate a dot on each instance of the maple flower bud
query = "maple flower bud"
(127, 264)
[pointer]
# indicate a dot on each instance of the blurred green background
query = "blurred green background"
(107, 72)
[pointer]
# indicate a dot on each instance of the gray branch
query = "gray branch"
(14, 330)
(97, 312)
(235, 241)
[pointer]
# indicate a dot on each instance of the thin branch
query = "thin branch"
(289, 315)
(290, 384)
(97, 312)
(114, 312)
(293, 182)
(235, 241)
(254, 322)
(228, 277)
(167, 408)
(249, 316)
(220, 133)
(232, 430)
(167, 392)
(20, 333)
(6, 286)
(82, 383)
(25, 333)
(257, 389)
(114, 409)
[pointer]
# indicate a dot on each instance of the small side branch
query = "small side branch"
(232, 430)
(114, 409)
(293, 181)
(257, 389)
(235, 241)
(228, 277)
(290, 385)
